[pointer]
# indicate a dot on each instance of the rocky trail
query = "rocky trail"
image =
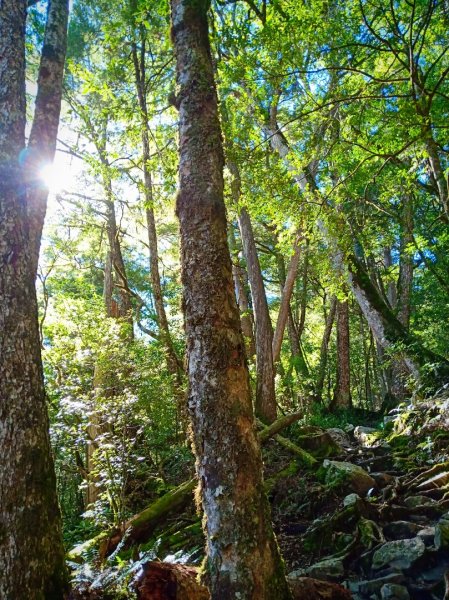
(386, 535)
(366, 518)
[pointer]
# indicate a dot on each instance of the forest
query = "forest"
(224, 299)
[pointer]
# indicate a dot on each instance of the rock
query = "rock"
(373, 586)
(349, 428)
(307, 588)
(339, 436)
(330, 569)
(318, 441)
(164, 581)
(366, 436)
(427, 534)
(401, 554)
(393, 591)
(415, 501)
(401, 530)
(442, 532)
(353, 476)
(351, 499)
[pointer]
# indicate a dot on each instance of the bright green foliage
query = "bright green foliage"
(359, 113)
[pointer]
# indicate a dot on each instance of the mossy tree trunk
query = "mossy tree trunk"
(31, 550)
(242, 555)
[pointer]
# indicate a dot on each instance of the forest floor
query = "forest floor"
(371, 516)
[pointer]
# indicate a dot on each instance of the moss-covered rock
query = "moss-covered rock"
(349, 476)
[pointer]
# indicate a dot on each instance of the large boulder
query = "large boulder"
(340, 437)
(400, 554)
(351, 476)
(401, 530)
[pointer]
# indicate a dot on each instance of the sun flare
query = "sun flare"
(55, 177)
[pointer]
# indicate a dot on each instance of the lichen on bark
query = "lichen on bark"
(243, 560)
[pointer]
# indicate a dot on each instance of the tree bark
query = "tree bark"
(31, 550)
(173, 362)
(299, 362)
(265, 392)
(44, 129)
(342, 393)
(246, 314)
(324, 348)
(265, 404)
(287, 290)
(242, 555)
(405, 280)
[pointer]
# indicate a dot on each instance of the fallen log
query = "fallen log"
(277, 426)
(140, 527)
(304, 456)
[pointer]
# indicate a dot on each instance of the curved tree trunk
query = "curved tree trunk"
(265, 404)
(284, 309)
(265, 391)
(31, 550)
(242, 556)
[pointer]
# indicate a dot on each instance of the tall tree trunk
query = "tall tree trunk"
(265, 391)
(405, 280)
(303, 296)
(31, 550)
(294, 338)
(391, 291)
(124, 306)
(246, 315)
(342, 392)
(173, 363)
(42, 140)
(94, 427)
(324, 349)
(242, 556)
(284, 309)
(399, 387)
